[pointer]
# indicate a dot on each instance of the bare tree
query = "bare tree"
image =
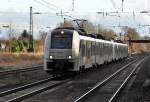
(109, 34)
(89, 27)
(130, 33)
(66, 23)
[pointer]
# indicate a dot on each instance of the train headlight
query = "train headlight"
(62, 32)
(50, 57)
(69, 57)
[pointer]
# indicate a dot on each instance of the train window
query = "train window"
(88, 52)
(91, 49)
(82, 48)
(97, 50)
(101, 44)
(61, 41)
(94, 49)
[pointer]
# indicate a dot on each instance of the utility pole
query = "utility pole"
(10, 36)
(31, 30)
(64, 21)
(99, 26)
(72, 5)
(122, 5)
(62, 14)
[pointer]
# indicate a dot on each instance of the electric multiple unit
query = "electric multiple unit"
(68, 50)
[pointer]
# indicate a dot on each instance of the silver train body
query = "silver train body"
(66, 50)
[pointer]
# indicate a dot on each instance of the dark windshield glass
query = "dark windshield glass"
(61, 41)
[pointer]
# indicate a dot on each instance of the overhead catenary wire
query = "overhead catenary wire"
(55, 8)
(114, 4)
(46, 5)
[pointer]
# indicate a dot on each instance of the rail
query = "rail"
(31, 68)
(114, 97)
(100, 84)
(18, 89)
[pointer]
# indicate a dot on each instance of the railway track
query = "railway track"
(29, 90)
(108, 90)
(26, 91)
(16, 71)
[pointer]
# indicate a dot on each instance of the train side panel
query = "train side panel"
(76, 51)
(87, 57)
(46, 50)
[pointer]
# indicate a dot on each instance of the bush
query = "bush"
(19, 45)
(15, 46)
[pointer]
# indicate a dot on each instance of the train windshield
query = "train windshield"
(61, 41)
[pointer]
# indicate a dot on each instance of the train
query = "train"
(71, 50)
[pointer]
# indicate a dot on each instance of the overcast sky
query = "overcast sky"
(80, 5)
(84, 8)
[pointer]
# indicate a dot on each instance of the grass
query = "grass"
(18, 59)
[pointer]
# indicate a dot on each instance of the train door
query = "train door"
(88, 54)
(106, 52)
(82, 52)
(100, 52)
(93, 52)
(109, 52)
(117, 52)
(103, 52)
(113, 51)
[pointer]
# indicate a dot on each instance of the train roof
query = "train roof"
(86, 38)
(81, 31)
(91, 37)
(100, 40)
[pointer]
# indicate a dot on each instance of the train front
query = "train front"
(58, 51)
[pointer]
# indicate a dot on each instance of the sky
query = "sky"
(17, 12)
(79, 5)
